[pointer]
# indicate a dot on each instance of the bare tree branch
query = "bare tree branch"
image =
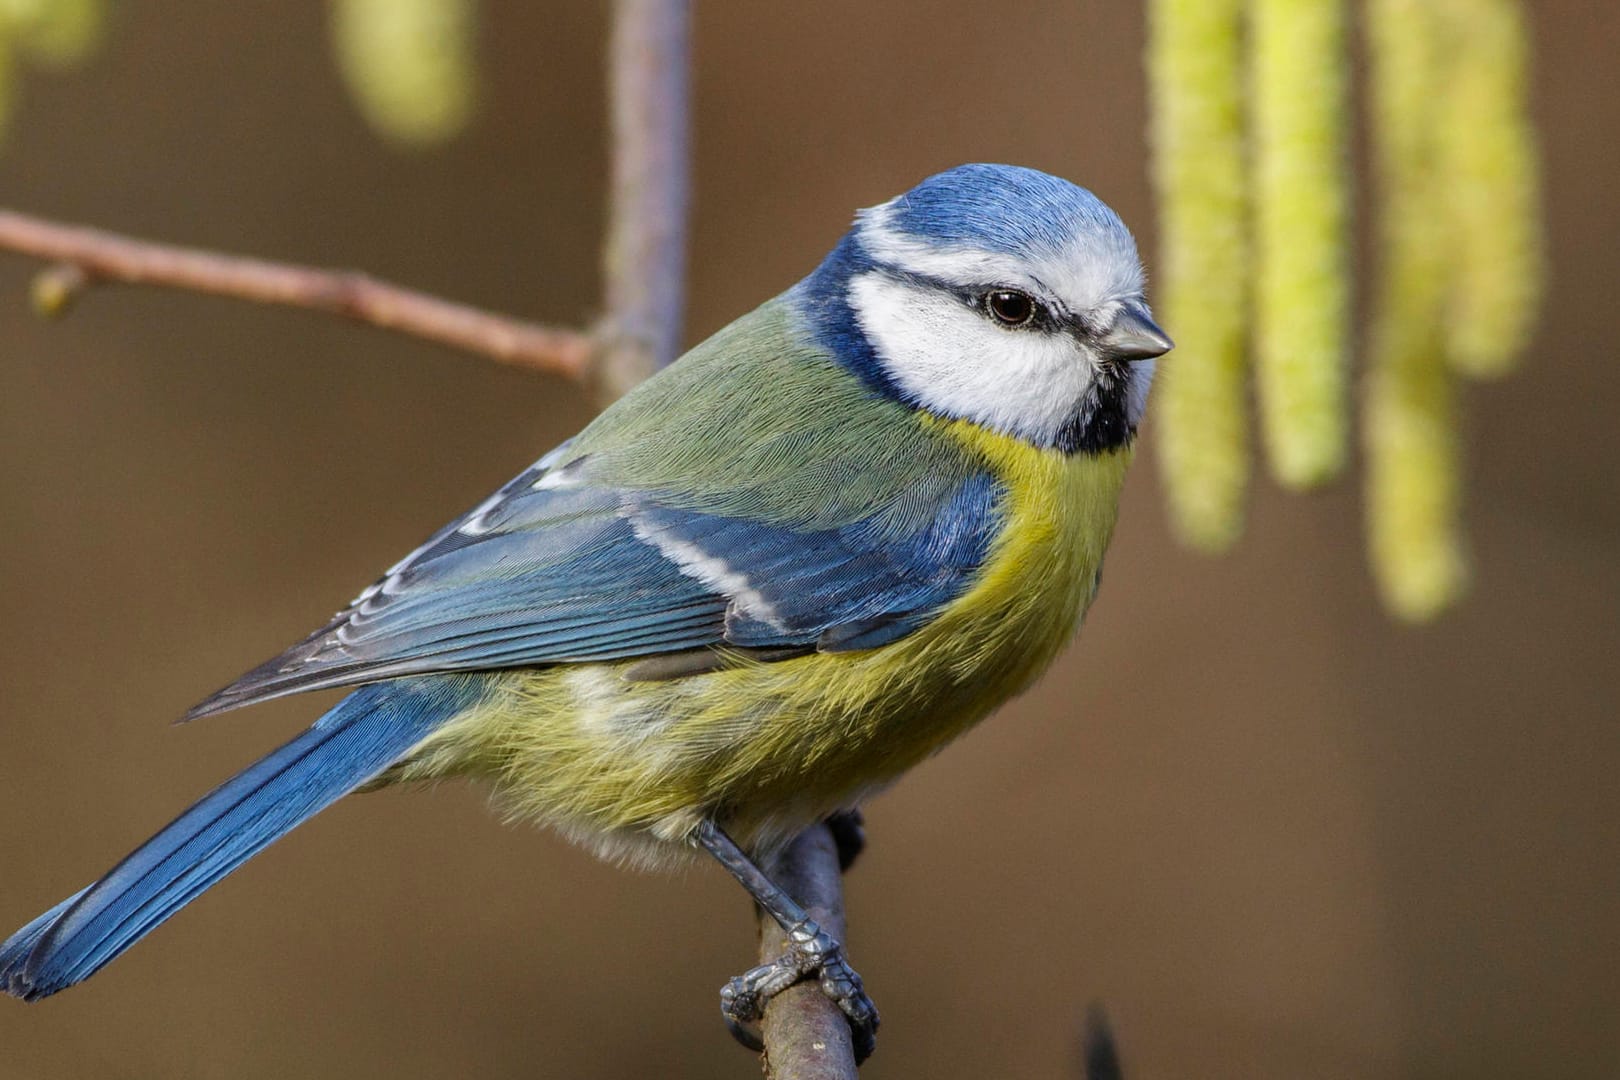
(806, 1035)
(644, 256)
(85, 257)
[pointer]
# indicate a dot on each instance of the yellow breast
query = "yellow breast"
(1042, 571)
(771, 747)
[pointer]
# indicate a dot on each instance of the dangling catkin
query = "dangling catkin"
(55, 33)
(1486, 159)
(1195, 67)
(409, 64)
(1413, 473)
(1301, 200)
(8, 78)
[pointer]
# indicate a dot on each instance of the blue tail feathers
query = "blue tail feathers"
(367, 732)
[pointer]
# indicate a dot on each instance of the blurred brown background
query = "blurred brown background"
(1276, 834)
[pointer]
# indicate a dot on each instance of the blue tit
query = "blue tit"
(750, 594)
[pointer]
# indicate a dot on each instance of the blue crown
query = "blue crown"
(1002, 208)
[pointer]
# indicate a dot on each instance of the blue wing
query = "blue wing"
(561, 566)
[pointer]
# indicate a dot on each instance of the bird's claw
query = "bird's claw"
(811, 951)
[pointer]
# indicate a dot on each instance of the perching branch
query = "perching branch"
(644, 270)
(806, 1035)
(86, 257)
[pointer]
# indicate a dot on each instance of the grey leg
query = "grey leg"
(811, 951)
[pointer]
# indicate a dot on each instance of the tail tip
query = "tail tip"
(18, 980)
(19, 970)
(14, 980)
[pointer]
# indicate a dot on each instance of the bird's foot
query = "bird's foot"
(811, 951)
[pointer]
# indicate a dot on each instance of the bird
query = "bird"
(750, 594)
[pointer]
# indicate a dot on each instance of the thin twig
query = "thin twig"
(99, 256)
(806, 1035)
(644, 256)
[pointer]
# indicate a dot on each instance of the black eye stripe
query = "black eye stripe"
(1045, 316)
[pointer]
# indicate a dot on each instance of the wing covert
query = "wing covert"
(697, 512)
(563, 567)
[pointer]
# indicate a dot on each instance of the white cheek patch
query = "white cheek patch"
(955, 362)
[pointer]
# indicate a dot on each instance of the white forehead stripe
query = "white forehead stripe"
(1092, 268)
(955, 362)
(955, 263)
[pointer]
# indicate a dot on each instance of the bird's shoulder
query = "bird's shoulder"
(763, 421)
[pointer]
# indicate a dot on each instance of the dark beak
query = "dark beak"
(1134, 335)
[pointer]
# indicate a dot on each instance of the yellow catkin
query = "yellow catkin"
(8, 78)
(1195, 68)
(1413, 475)
(57, 33)
(1488, 169)
(409, 64)
(1301, 200)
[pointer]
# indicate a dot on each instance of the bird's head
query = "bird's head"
(999, 295)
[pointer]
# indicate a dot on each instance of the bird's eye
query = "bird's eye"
(1010, 307)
